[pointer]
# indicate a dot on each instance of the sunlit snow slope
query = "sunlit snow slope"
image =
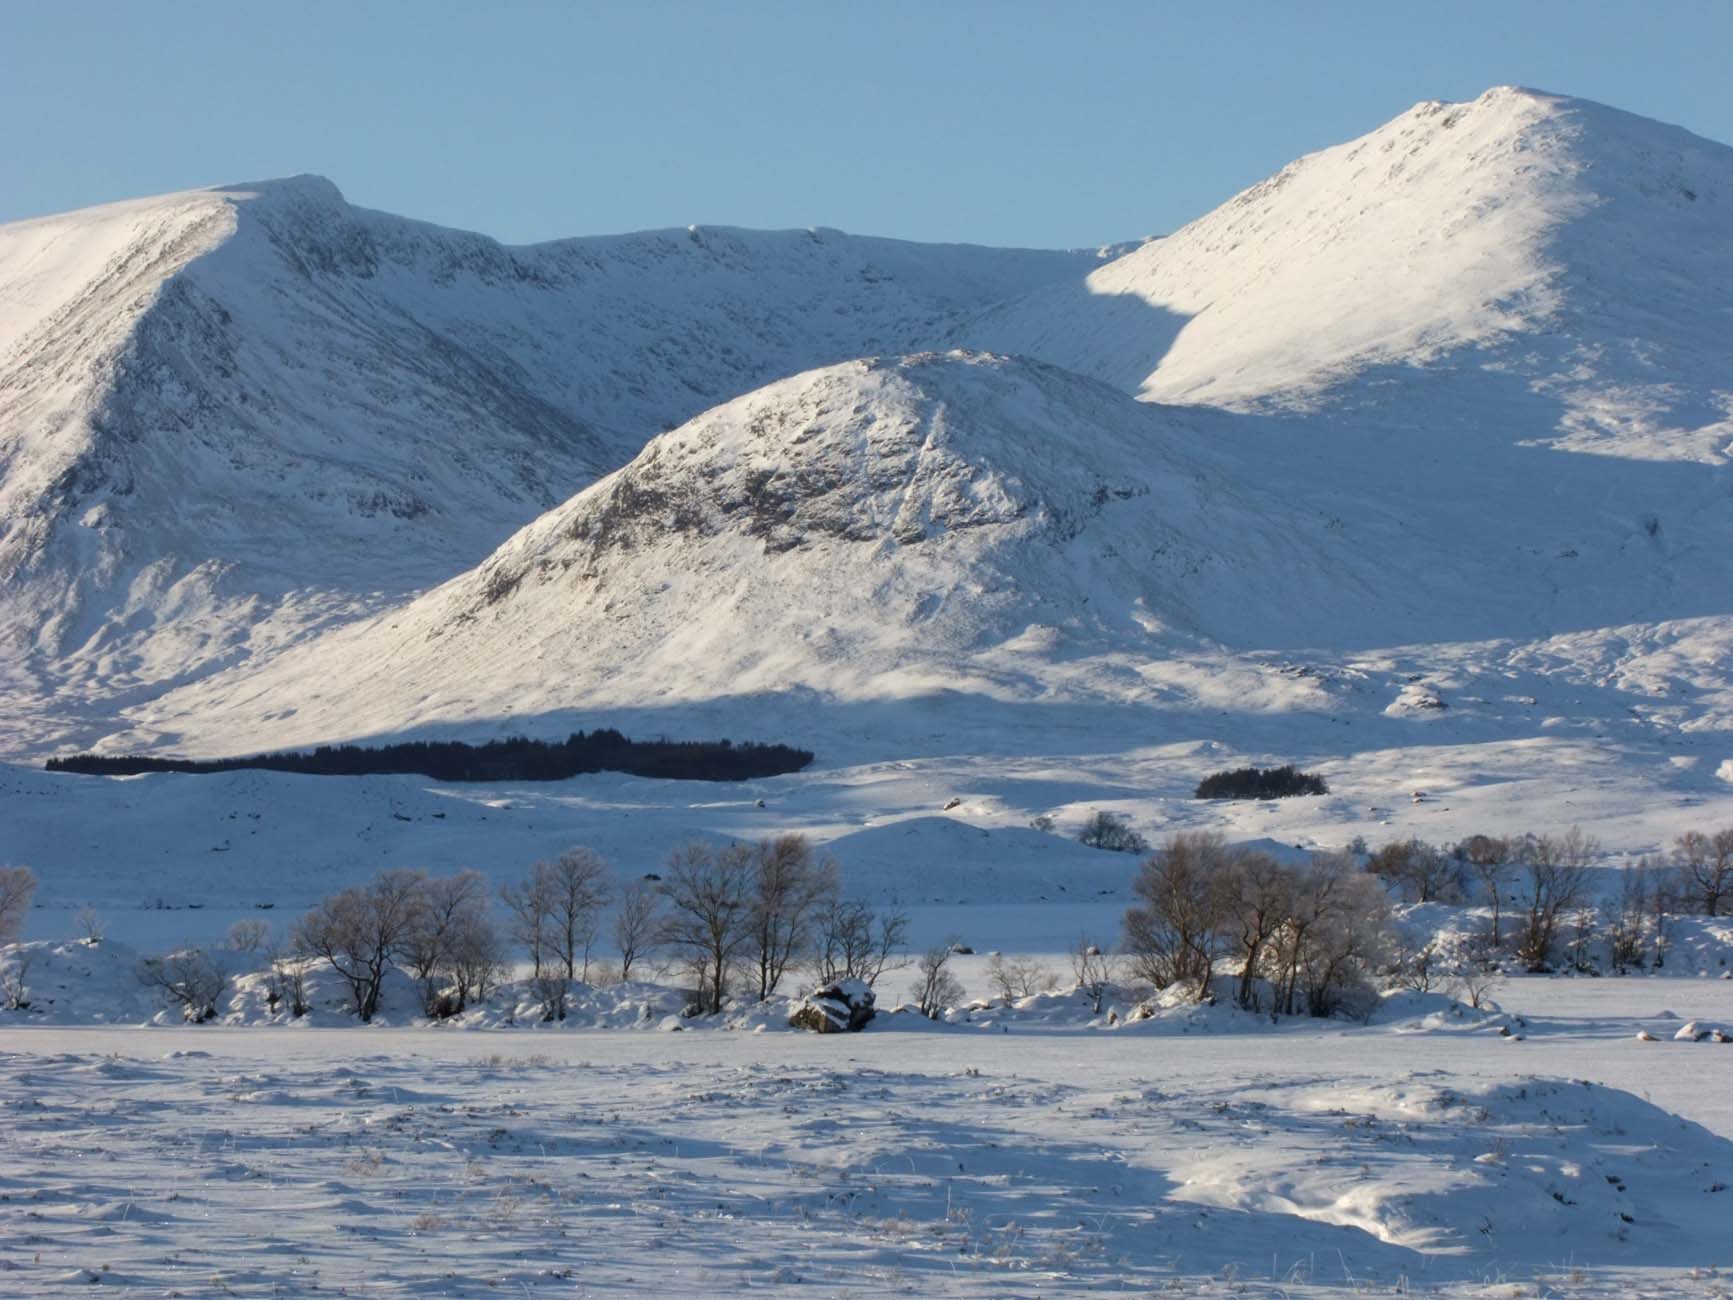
(995, 527)
(1557, 269)
(230, 416)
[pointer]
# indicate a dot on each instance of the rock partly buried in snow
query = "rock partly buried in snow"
(845, 1006)
(1695, 1031)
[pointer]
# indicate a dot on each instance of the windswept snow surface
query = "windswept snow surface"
(902, 1161)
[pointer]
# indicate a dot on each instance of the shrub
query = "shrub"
(935, 987)
(249, 935)
(189, 979)
(1111, 831)
(1261, 783)
(1021, 977)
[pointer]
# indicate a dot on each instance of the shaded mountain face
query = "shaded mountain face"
(1546, 266)
(230, 417)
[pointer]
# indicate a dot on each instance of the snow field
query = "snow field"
(1315, 1163)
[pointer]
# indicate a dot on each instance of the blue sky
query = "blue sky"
(1005, 123)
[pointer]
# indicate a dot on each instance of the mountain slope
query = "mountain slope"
(873, 529)
(973, 525)
(230, 416)
(1545, 263)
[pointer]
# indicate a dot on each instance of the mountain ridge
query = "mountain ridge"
(230, 417)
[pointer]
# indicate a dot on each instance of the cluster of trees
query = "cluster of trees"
(737, 918)
(1306, 938)
(1544, 910)
(1111, 831)
(1260, 783)
(745, 915)
(514, 759)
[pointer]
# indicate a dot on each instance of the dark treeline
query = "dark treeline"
(514, 759)
(1260, 783)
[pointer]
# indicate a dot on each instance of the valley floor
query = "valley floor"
(1303, 1162)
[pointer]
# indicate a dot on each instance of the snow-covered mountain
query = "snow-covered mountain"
(1392, 358)
(231, 416)
(877, 528)
(973, 525)
(1544, 265)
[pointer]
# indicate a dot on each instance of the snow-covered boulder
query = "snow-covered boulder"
(1695, 1031)
(844, 1006)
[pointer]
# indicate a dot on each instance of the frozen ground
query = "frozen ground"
(1575, 1161)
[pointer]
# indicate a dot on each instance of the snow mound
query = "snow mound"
(1520, 1172)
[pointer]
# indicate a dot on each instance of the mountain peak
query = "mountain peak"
(1525, 232)
(307, 187)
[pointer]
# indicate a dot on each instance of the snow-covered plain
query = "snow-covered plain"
(1574, 1161)
(1451, 531)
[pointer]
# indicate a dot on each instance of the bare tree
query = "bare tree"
(1423, 872)
(1705, 865)
(1555, 872)
(475, 959)
(286, 981)
(1626, 919)
(636, 924)
(936, 988)
(553, 991)
(1021, 977)
(1257, 895)
(580, 886)
(248, 936)
(708, 914)
(189, 978)
(1345, 934)
(17, 884)
(1475, 978)
(1095, 970)
(856, 942)
(14, 980)
(1489, 860)
(788, 887)
(1338, 924)
(452, 908)
(1174, 933)
(530, 905)
(1665, 890)
(361, 931)
(1417, 968)
(91, 925)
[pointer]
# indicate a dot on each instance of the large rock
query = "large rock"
(844, 1006)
